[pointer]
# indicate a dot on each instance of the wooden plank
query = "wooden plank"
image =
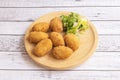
(30, 14)
(17, 28)
(16, 43)
(46, 3)
(109, 43)
(11, 43)
(103, 27)
(59, 75)
(98, 61)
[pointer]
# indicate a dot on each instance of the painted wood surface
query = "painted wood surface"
(59, 75)
(17, 15)
(19, 28)
(15, 43)
(30, 14)
(60, 3)
(21, 61)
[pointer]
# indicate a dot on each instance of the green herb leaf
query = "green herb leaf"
(73, 23)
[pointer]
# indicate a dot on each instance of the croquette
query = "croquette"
(43, 47)
(62, 52)
(35, 37)
(42, 26)
(72, 41)
(56, 24)
(57, 39)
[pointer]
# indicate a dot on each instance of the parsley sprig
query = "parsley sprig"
(74, 23)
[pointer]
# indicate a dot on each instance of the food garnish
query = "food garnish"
(74, 23)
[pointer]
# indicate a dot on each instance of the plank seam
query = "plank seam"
(52, 70)
(26, 52)
(34, 20)
(61, 6)
(24, 34)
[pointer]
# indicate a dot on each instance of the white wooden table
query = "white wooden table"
(17, 15)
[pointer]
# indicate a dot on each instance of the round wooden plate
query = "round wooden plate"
(88, 43)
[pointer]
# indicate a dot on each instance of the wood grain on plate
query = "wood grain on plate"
(87, 47)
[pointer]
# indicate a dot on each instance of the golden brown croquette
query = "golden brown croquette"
(57, 39)
(62, 52)
(56, 25)
(72, 41)
(43, 47)
(42, 26)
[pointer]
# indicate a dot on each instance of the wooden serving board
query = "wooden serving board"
(88, 43)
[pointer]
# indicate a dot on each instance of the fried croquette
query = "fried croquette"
(42, 26)
(43, 47)
(56, 24)
(35, 37)
(72, 41)
(62, 52)
(57, 39)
